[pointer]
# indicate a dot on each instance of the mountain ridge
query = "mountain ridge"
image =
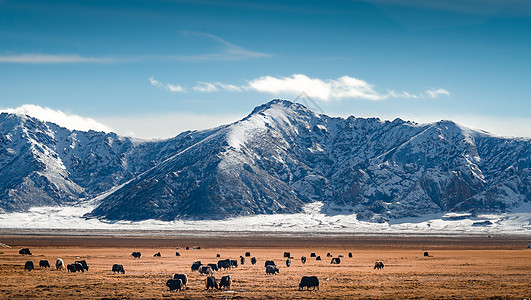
(277, 159)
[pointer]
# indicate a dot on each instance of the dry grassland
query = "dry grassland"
(459, 268)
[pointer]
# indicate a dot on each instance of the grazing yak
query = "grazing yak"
(318, 257)
(218, 255)
(253, 260)
(248, 254)
(136, 254)
(312, 254)
(242, 260)
(157, 254)
(211, 282)
(177, 254)
(234, 263)
(75, 267)
(214, 267)
(335, 261)
(341, 255)
(224, 264)
(206, 270)
(83, 263)
(226, 281)
(196, 265)
(174, 284)
(43, 263)
(269, 263)
(328, 254)
(117, 268)
(182, 277)
(303, 259)
(308, 282)
(287, 254)
(29, 266)
(24, 251)
(288, 262)
(271, 270)
(427, 254)
(378, 265)
(350, 254)
(59, 264)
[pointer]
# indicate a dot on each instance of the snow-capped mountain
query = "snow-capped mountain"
(277, 159)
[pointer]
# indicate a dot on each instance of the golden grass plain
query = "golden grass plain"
(460, 267)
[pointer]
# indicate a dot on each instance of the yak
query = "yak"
(182, 277)
(59, 264)
(226, 281)
(303, 259)
(211, 282)
(174, 284)
(336, 261)
(233, 263)
(196, 265)
(224, 263)
(83, 263)
(136, 254)
(378, 265)
(75, 267)
(24, 251)
(207, 270)
(43, 263)
(288, 262)
(117, 268)
(214, 267)
(29, 266)
(271, 270)
(253, 260)
(308, 282)
(269, 263)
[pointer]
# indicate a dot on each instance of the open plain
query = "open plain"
(472, 267)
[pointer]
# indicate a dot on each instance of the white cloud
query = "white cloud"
(70, 121)
(205, 87)
(344, 87)
(52, 59)
(435, 93)
(175, 88)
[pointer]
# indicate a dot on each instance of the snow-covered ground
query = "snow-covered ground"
(310, 221)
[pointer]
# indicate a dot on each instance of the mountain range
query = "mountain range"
(279, 158)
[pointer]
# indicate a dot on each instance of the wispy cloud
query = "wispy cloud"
(435, 93)
(53, 59)
(167, 86)
(227, 52)
(70, 121)
(344, 87)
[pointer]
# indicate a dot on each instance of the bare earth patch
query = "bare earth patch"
(459, 267)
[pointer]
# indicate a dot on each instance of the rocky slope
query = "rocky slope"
(275, 160)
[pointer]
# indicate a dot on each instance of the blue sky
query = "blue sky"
(155, 68)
